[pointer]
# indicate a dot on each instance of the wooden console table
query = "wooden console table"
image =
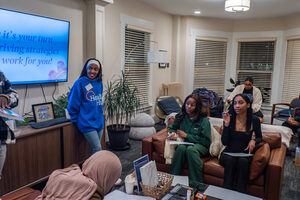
(38, 152)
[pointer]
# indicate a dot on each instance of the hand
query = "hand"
(250, 146)
(226, 118)
(3, 103)
(172, 136)
(181, 133)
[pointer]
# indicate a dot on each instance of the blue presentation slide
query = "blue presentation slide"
(33, 49)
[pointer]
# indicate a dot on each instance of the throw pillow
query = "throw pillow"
(169, 105)
(216, 143)
(259, 161)
(139, 133)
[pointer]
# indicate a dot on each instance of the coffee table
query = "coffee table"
(227, 194)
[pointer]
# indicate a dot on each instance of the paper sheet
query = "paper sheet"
(183, 180)
(117, 194)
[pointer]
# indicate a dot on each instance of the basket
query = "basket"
(157, 192)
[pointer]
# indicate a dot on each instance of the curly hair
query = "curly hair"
(199, 112)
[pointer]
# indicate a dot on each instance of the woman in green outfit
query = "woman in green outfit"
(193, 126)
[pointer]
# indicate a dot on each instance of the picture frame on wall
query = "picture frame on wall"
(43, 112)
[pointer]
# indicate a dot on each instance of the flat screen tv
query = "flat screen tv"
(33, 49)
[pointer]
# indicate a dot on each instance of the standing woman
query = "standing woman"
(238, 137)
(85, 103)
(193, 126)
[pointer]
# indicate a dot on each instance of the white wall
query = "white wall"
(69, 10)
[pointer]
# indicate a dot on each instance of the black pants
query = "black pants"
(236, 171)
(296, 130)
(259, 114)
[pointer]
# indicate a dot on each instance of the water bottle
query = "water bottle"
(297, 157)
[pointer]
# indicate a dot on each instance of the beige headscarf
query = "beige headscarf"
(104, 168)
(68, 183)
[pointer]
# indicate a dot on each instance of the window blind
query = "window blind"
(291, 86)
(210, 64)
(256, 59)
(137, 70)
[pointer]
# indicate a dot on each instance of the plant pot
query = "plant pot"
(118, 138)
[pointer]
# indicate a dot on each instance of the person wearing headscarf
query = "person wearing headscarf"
(97, 177)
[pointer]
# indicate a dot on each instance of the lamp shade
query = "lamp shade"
(157, 56)
(237, 5)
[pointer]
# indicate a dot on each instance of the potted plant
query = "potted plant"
(120, 103)
(60, 105)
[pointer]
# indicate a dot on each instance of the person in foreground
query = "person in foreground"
(253, 94)
(8, 100)
(98, 176)
(242, 131)
(193, 126)
(85, 103)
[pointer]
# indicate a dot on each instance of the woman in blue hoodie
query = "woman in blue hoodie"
(85, 103)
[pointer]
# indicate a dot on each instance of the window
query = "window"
(291, 86)
(210, 63)
(137, 70)
(256, 59)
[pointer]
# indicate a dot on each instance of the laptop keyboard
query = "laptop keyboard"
(48, 123)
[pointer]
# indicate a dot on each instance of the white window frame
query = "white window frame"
(195, 33)
(277, 82)
(143, 24)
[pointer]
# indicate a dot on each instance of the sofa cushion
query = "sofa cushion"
(214, 168)
(259, 161)
(169, 105)
(142, 120)
(273, 139)
(159, 141)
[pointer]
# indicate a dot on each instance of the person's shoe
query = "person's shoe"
(118, 182)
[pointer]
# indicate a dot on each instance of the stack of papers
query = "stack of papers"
(149, 174)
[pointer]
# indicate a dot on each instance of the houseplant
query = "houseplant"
(120, 103)
(60, 105)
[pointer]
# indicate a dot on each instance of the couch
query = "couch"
(266, 185)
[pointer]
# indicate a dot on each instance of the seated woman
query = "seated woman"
(253, 94)
(98, 176)
(238, 137)
(193, 126)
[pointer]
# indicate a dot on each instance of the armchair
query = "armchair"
(292, 110)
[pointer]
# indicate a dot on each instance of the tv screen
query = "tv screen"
(33, 49)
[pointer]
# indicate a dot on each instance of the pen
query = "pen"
(290, 113)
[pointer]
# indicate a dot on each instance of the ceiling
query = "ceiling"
(215, 8)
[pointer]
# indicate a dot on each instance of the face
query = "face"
(240, 105)
(92, 71)
(248, 85)
(190, 106)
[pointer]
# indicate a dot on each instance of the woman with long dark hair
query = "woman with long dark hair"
(85, 103)
(242, 131)
(192, 125)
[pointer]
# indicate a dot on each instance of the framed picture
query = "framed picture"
(43, 112)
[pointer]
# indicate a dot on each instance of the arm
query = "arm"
(237, 90)
(9, 93)
(204, 133)
(175, 125)
(74, 101)
(257, 100)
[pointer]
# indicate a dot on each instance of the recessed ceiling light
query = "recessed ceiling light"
(197, 12)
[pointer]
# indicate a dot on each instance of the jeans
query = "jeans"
(94, 140)
(2, 156)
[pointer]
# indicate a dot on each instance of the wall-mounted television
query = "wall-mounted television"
(33, 49)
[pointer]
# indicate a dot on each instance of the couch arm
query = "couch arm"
(147, 146)
(274, 173)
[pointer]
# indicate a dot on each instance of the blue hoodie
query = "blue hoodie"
(85, 104)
